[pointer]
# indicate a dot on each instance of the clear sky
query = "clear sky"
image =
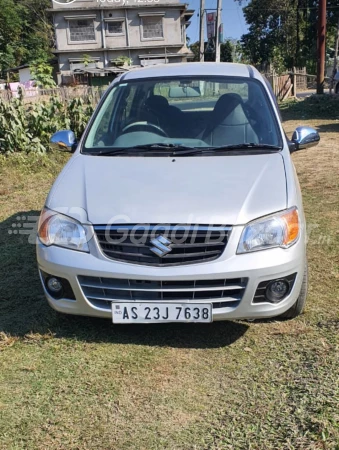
(232, 18)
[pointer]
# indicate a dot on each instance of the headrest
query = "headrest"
(156, 102)
(226, 104)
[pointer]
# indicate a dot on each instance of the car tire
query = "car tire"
(299, 305)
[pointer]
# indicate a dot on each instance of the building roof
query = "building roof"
(189, 13)
(101, 6)
(193, 69)
(26, 66)
(114, 70)
(132, 47)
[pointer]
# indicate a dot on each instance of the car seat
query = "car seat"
(228, 124)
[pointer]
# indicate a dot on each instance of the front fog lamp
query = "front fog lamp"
(277, 230)
(277, 290)
(54, 285)
(63, 231)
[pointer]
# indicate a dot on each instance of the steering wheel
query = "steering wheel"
(154, 128)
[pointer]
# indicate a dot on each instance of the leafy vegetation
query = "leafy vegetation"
(87, 59)
(226, 52)
(41, 73)
(286, 30)
(26, 33)
(28, 128)
(121, 60)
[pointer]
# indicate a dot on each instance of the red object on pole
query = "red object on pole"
(321, 46)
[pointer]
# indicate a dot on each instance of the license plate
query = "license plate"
(128, 312)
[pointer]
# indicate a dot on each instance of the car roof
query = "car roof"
(193, 69)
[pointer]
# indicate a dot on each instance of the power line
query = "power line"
(304, 8)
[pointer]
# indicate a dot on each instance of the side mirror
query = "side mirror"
(304, 137)
(64, 140)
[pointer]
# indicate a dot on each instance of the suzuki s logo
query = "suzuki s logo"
(162, 246)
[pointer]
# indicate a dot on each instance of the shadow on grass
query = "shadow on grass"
(314, 107)
(23, 308)
(328, 128)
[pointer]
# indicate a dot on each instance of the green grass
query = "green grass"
(313, 107)
(80, 383)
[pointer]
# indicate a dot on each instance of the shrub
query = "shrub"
(42, 73)
(15, 134)
(29, 128)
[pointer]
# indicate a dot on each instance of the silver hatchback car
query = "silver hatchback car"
(180, 203)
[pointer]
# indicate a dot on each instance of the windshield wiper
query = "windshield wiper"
(137, 148)
(250, 145)
(245, 146)
(181, 150)
(162, 145)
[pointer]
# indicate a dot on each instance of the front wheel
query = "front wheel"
(299, 305)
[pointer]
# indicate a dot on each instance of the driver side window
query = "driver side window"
(130, 102)
(100, 132)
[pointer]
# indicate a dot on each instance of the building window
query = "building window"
(115, 27)
(81, 30)
(152, 28)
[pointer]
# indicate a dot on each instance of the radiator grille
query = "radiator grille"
(101, 292)
(187, 244)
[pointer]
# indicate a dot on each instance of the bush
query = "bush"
(28, 128)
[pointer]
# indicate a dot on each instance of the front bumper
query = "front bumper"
(254, 267)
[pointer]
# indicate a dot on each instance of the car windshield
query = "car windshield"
(185, 113)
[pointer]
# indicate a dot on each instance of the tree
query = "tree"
(272, 31)
(11, 49)
(226, 51)
(26, 32)
(284, 33)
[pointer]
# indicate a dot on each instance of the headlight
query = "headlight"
(56, 229)
(277, 230)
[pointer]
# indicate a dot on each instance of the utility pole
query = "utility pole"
(202, 31)
(321, 47)
(298, 34)
(335, 62)
(217, 32)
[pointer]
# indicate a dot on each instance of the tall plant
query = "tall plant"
(15, 134)
(28, 128)
(41, 72)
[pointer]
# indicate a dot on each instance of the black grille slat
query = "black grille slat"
(198, 243)
(127, 254)
(195, 245)
(169, 256)
(221, 292)
(136, 288)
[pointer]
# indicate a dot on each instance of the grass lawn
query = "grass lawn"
(80, 383)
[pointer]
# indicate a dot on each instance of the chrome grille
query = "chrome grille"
(101, 292)
(189, 244)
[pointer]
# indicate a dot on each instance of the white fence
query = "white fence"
(64, 93)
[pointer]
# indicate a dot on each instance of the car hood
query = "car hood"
(228, 190)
